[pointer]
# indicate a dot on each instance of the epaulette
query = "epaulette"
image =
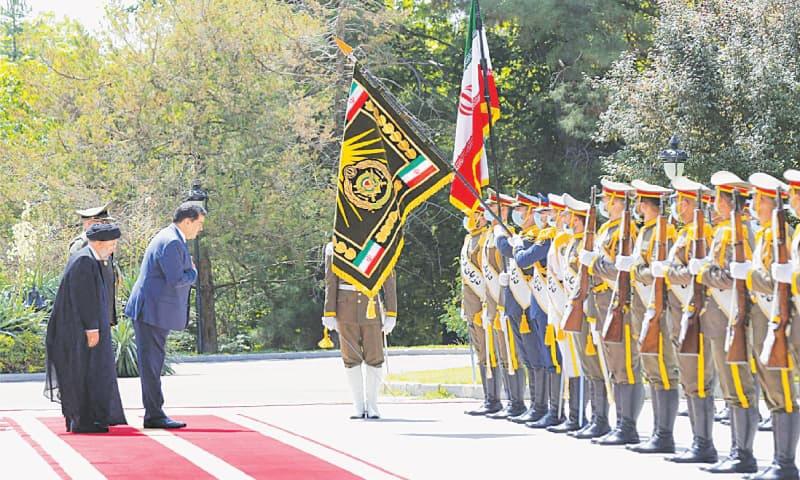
(545, 234)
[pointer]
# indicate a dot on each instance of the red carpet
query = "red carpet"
(256, 455)
(125, 452)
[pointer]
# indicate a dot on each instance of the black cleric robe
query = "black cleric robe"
(83, 379)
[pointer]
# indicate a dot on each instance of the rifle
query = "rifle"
(650, 338)
(614, 326)
(689, 339)
(573, 316)
(775, 354)
(737, 342)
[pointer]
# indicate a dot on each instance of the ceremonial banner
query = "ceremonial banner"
(386, 169)
(472, 124)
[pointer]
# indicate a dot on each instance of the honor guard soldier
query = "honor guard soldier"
(473, 297)
(89, 217)
(660, 365)
(361, 332)
(696, 371)
(493, 266)
(776, 383)
(587, 346)
(623, 361)
(518, 301)
(530, 254)
(576, 388)
(736, 379)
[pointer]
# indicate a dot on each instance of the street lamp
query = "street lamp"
(198, 196)
(673, 158)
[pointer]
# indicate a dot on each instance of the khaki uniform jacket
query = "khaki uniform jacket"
(350, 306)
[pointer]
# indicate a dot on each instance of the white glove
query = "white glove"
(697, 264)
(330, 323)
(658, 269)
(587, 257)
(782, 272)
(499, 231)
(516, 242)
(624, 263)
(504, 324)
(389, 323)
(739, 271)
(486, 323)
(503, 279)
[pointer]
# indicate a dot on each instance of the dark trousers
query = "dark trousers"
(151, 349)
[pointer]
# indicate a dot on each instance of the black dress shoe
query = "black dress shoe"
(550, 420)
(735, 464)
(166, 423)
(700, 452)
(531, 415)
(570, 425)
(502, 414)
(658, 443)
(91, 428)
(358, 417)
(485, 409)
(626, 434)
(595, 430)
(68, 424)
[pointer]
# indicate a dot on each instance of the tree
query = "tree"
(723, 76)
(12, 14)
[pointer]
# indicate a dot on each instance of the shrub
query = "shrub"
(22, 353)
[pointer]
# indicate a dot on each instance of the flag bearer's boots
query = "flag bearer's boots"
(630, 398)
(491, 394)
(599, 426)
(553, 416)
(537, 409)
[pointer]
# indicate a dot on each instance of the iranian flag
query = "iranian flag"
(369, 257)
(358, 96)
(472, 125)
(417, 171)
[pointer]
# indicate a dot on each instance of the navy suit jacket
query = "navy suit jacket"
(160, 296)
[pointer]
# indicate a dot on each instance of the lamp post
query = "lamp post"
(673, 158)
(198, 196)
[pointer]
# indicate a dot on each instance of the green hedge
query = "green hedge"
(22, 353)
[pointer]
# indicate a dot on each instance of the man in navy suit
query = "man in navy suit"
(159, 302)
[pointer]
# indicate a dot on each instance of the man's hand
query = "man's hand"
(782, 272)
(658, 269)
(330, 323)
(92, 338)
(696, 265)
(586, 257)
(624, 263)
(503, 279)
(388, 324)
(739, 270)
(499, 231)
(516, 242)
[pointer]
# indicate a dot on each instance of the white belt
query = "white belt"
(347, 287)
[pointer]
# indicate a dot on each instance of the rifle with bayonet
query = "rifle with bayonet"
(614, 325)
(775, 354)
(689, 338)
(737, 341)
(650, 338)
(573, 317)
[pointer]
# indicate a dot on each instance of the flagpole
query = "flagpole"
(487, 99)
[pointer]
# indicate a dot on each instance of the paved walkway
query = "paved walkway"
(302, 404)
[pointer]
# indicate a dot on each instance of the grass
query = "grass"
(456, 376)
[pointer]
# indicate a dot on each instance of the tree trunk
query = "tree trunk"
(209, 314)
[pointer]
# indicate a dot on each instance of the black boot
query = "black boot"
(574, 422)
(744, 422)
(532, 414)
(630, 398)
(786, 429)
(516, 403)
(553, 416)
(701, 413)
(665, 405)
(491, 394)
(599, 426)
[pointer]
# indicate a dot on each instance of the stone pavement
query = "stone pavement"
(304, 403)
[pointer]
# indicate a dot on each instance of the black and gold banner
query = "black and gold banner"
(386, 169)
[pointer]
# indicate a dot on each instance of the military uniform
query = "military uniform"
(567, 362)
(623, 360)
(584, 341)
(360, 333)
(661, 369)
(101, 215)
(737, 381)
(473, 296)
(506, 346)
(696, 372)
(777, 384)
(544, 356)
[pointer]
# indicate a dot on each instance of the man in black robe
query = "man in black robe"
(81, 370)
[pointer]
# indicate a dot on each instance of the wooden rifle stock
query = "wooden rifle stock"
(650, 337)
(573, 317)
(614, 326)
(738, 344)
(775, 354)
(689, 338)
